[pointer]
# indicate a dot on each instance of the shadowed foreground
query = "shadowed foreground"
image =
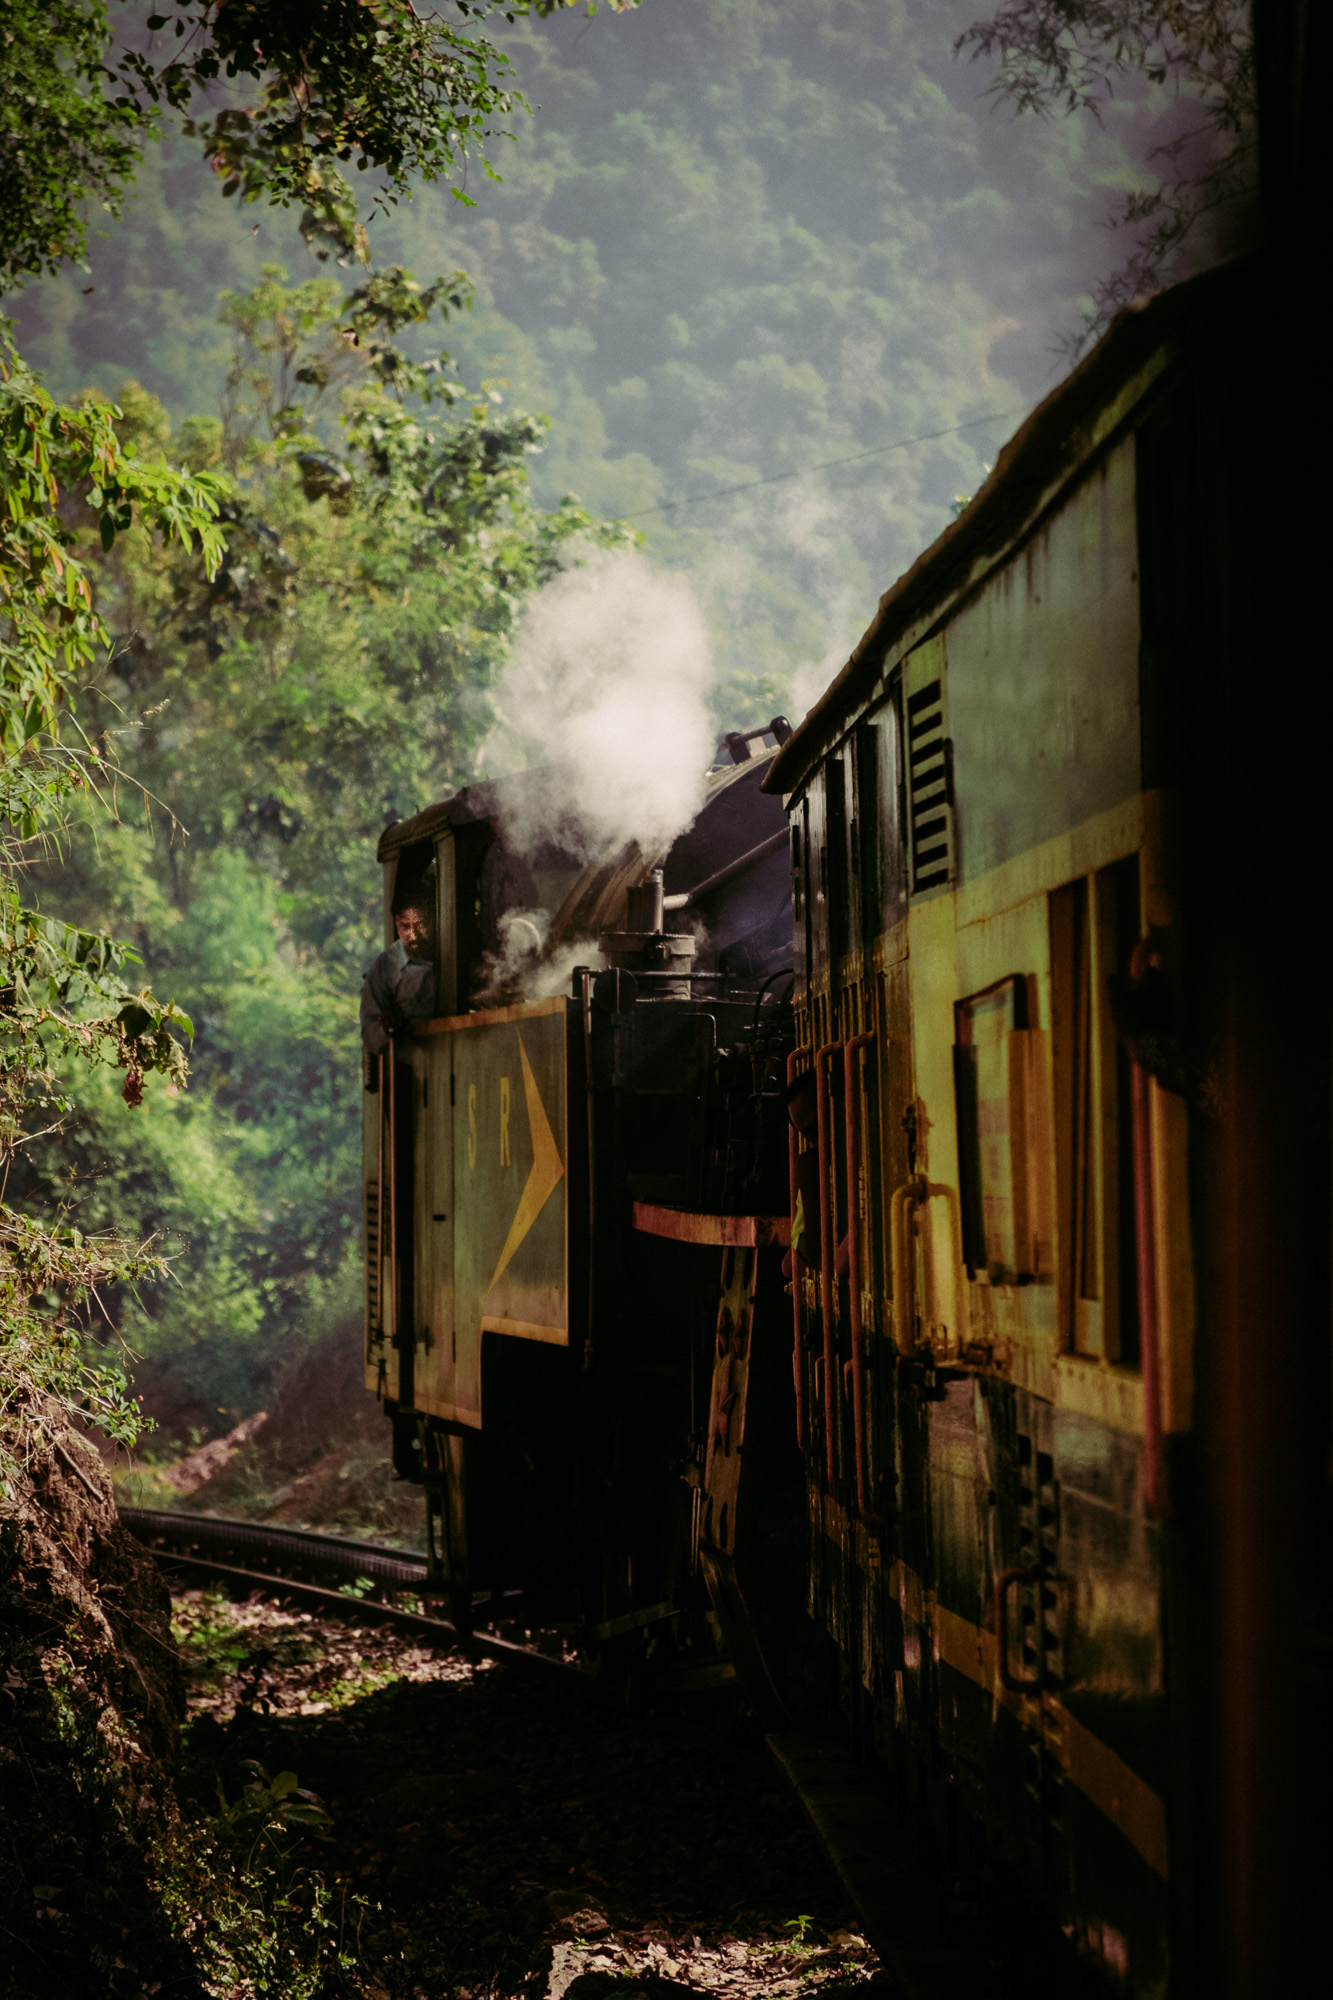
(494, 1831)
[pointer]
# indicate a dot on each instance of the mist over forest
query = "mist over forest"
(738, 239)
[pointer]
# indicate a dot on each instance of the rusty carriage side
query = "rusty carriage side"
(571, 1234)
(1000, 1104)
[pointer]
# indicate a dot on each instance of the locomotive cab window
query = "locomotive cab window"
(400, 989)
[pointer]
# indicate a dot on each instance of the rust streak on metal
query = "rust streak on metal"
(494, 1017)
(718, 1232)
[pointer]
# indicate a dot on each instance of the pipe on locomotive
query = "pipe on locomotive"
(828, 1195)
(797, 1274)
(851, 1081)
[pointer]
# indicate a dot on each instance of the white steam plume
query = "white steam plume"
(522, 968)
(604, 703)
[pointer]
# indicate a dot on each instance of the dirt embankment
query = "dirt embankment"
(91, 1700)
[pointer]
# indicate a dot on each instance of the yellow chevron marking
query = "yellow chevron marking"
(547, 1169)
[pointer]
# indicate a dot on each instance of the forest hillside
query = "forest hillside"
(737, 239)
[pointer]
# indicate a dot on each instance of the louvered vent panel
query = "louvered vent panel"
(930, 790)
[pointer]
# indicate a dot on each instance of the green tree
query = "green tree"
(66, 481)
(381, 83)
(330, 675)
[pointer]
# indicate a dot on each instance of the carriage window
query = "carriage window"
(1004, 1141)
(835, 852)
(853, 819)
(879, 791)
(1094, 923)
(816, 876)
(800, 901)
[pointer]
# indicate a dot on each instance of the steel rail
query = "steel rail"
(203, 1544)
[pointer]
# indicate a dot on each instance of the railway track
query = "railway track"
(359, 1580)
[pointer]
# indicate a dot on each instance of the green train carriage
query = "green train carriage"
(1013, 1004)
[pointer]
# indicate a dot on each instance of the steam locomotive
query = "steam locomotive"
(868, 1280)
(553, 1185)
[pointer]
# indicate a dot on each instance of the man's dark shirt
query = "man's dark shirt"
(396, 984)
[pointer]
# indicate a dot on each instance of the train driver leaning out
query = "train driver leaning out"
(399, 989)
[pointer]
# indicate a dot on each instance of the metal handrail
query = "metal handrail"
(377, 1330)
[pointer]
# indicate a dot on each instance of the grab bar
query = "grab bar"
(900, 1200)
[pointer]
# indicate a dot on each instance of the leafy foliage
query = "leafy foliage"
(377, 83)
(46, 1375)
(381, 83)
(63, 993)
(49, 630)
(1055, 57)
(63, 140)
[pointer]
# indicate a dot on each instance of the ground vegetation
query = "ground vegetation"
(494, 1829)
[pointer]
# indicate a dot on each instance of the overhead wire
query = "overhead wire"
(824, 465)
